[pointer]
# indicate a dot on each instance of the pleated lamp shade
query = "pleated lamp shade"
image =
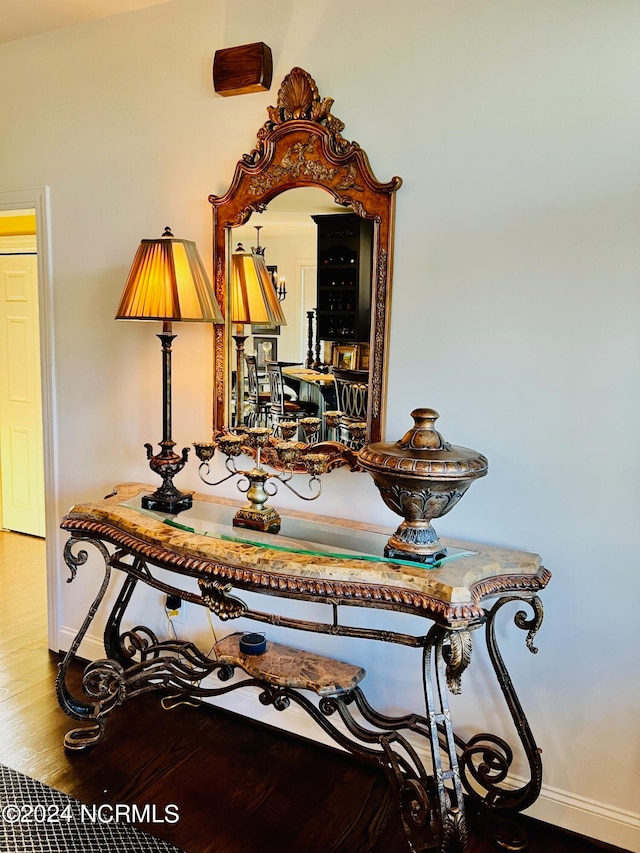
(168, 281)
(253, 296)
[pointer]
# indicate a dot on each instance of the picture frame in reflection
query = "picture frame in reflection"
(363, 357)
(266, 349)
(346, 357)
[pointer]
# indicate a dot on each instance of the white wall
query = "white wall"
(516, 310)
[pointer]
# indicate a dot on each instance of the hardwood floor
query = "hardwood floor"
(239, 787)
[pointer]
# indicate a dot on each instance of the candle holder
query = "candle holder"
(258, 483)
(310, 428)
(286, 429)
(357, 431)
(332, 421)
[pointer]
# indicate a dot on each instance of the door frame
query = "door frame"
(38, 199)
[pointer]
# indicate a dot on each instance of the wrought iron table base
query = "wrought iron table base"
(431, 803)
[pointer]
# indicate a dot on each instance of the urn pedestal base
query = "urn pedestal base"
(417, 541)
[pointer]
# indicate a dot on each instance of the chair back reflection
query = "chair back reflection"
(352, 392)
(259, 402)
(281, 407)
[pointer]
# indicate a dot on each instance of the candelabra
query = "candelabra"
(258, 483)
(335, 420)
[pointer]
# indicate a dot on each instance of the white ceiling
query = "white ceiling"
(22, 18)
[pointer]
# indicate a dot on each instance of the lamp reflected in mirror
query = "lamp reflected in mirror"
(255, 301)
(289, 249)
(168, 282)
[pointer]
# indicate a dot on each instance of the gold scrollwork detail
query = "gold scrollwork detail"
(458, 657)
(298, 98)
(301, 161)
(215, 595)
(381, 308)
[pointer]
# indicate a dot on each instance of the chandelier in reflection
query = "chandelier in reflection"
(279, 282)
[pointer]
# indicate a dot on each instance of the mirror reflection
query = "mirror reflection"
(336, 318)
(312, 361)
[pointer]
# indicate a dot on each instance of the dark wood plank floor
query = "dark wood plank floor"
(239, 787)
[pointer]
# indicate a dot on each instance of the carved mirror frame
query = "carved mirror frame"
(301, 145)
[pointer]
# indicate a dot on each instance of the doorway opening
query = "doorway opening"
(21, 446)
(18, 329)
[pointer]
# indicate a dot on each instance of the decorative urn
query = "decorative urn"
(421, 477)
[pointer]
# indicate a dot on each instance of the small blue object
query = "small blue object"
(253, 644)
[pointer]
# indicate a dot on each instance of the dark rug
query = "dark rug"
(35, 818)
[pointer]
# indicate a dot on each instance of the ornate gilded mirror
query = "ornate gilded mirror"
(301, 146)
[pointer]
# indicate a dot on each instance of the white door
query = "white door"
(21, 442)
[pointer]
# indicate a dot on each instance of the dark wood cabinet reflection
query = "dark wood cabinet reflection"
(344, 278)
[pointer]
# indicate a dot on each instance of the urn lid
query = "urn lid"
(423, 452)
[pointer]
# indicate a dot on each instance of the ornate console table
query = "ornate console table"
(336, 563)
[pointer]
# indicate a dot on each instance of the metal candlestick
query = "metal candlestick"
(255, 515)
(309, 362)
(317, 364)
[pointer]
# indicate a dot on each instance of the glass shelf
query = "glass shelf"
(309, 535)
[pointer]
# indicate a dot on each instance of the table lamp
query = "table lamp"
(253, 300)
(168, 282)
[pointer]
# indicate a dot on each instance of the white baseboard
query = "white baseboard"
(588, 817)
(560, 808)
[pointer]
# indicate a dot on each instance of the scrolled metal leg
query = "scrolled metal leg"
(444, 658)
(418, 798)
(486, 759)
(432, 807)
(112, 641)
(138, 644)
(416, 791)
(385, 747)
(104, 683)
(76, 708)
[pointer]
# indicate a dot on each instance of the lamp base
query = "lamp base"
(172, 505)
(167, 464)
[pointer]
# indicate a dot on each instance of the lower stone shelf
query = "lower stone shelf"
(284, 666)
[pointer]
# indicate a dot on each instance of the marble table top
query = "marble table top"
(453, 593)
